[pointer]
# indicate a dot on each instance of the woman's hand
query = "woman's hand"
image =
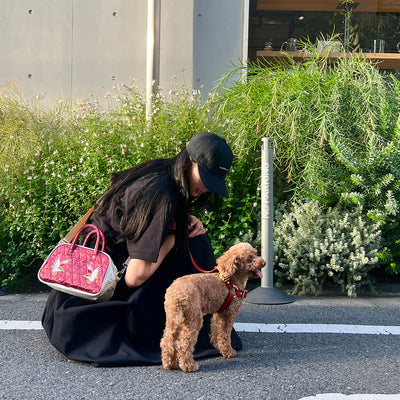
(195, 227)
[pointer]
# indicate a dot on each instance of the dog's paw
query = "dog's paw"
(189, 366)
(230, 353)
(169, 366)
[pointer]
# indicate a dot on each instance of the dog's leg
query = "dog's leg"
(220, 333)
(168, 345)
(173, 325)
(187, 341)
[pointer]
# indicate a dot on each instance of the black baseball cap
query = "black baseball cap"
(214, 158)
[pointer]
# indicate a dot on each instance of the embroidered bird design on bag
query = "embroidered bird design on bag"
(92, 274)
(56, 267)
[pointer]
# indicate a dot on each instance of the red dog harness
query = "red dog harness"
(237, 292)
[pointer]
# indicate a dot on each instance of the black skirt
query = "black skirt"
(127, 329)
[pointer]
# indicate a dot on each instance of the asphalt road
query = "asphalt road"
(275, 366)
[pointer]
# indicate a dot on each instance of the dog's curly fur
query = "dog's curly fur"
(190, 297)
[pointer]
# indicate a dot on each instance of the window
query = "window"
(273, 22)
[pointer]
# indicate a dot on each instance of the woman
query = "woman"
(145, 217)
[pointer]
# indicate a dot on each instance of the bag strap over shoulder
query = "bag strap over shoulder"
(72, 233)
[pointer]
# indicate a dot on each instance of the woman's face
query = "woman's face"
(196, 185)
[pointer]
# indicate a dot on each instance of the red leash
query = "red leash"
(172, 231)
(198, 268)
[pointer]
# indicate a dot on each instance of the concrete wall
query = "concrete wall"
(176, 43)
(78, 48)
(219, 31)
(57, 48)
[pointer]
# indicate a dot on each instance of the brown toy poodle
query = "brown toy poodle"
(190, 297)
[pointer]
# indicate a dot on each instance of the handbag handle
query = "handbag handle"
(99, 235)
(91, 233)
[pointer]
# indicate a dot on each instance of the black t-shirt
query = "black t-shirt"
(148, 246)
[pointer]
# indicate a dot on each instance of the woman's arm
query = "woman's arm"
(139, 271)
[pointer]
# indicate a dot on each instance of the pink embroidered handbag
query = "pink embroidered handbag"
(81, 271)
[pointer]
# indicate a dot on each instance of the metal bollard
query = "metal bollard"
(267, 293)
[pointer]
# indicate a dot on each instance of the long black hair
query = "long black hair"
(166, 173)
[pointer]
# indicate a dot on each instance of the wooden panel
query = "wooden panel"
(382, 60)
(388, 6)
(323, 5)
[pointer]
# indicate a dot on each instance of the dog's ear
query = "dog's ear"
(228, 263)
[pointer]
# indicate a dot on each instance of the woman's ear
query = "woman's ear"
(227, 264)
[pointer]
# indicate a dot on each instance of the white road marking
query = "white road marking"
(20, 325)
(318, 328)
(257, 328)
(339, 396)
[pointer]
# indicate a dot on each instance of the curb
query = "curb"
(377, 290)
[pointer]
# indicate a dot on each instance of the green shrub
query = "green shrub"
(48, 187)
(238, 222)
(335, 134)
(335, 131)
(315, 245)
(68, 162)
(375, 185)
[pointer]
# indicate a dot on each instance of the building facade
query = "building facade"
(79, 48)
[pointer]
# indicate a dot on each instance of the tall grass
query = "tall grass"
(309, 109)
(335, 128)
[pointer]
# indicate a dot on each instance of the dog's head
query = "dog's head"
(240, 259)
